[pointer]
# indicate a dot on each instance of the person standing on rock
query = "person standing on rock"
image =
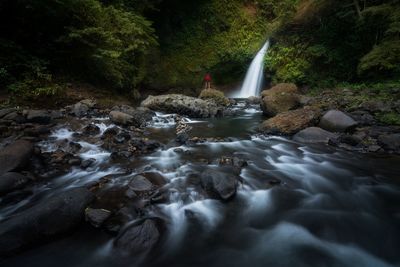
(207, 81)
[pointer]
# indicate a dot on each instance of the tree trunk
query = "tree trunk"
(358, 9)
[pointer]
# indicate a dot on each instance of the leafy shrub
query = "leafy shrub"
(391, 118)
(35, 87)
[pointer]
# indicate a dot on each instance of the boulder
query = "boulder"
(217, 96)
(15, 116)
(183, 105)
(140, 183)
(290, 122)
(219, 184)
(253, 100)
(280, 98)
(137, 116)
(314, 135)
(375, 106)
(363, 117)
(15, 156)
(390, 141)
(139, 239)
(6, 111)
(87, 163)
(155, 178)
(90, 103)
(44, 221)
(97, 217)
(119, 117)
(337, 121)
(11, 181)
(232, 161)
(91, 129)
(82, 107)
(38, 116)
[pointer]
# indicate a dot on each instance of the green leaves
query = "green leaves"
(110, 41)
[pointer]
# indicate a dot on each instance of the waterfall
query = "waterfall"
(254, 76)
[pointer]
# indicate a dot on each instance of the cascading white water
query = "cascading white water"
(254, 77)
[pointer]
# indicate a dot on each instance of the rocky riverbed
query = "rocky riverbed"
(185, 181)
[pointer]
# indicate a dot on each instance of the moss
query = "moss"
(215, 95)
(391, 118)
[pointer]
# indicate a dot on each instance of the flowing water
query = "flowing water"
(254, 76)
(331, 208)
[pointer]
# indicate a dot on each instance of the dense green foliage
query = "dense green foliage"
(219, 36)
(88, 40)
(134, 45)
(327, 41)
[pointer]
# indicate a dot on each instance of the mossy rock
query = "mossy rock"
(280, 98)
(291, 122)
(215, 95)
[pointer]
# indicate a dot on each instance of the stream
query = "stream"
(297, 205)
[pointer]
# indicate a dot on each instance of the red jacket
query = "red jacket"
(207, 78)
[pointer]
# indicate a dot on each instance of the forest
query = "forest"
(132, 46)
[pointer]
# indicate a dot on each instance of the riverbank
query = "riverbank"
(152, 188)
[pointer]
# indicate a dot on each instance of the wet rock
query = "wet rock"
(6, 111)
(11, 181)
(219, 184)
(74, 147)
(274, 182)
(119, 117)
(82, 108)
(87, 163)
(374, 148)
(15, 116)
(253, 100)
(140, 183)
(280, 98)
(120, 218)
(74, 162)
(90, 103)
(291, 122)
(139, 239)
(44, 221)
(97, 217)
(142, 145)
(352, 140)
(363, 117)
(155, 178)
(233, 161)
(126, 115)
(15, 156)
(314, 135)
(37, 130)
(79, 109)
(183, 105)
(337, 121)
(390, 141)
(56, 114)
(110, 132)
(375, 106)
(91, 129)
(121, 155)
(38, 116)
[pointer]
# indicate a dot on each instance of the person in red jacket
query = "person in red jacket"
(207, 81)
